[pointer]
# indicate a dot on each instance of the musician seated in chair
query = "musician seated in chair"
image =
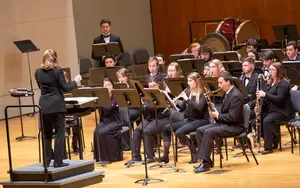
(205, 53)
(216, 67)
(206, 71)
(110, 61)
(173, 71)
(229, 122)
(251, 44)
(161, 59)
(292, 51)
(249, 81)
(153, 67)
(277, 106)
(194, 103)
(253, 54)
(267, 59)
(107, 134)
(150, 127)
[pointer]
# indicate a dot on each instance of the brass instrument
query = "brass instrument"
(255, 134)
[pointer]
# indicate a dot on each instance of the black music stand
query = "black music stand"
(139, 69)
(176, 57)
(143, 95)
(292, 69)
(279, 55)
(98, 74)
(103, 101)
(128, 98)
(104, 49)
(194, 65)
(226, 56)
(285, 33)
(176, 85)
(26, 46)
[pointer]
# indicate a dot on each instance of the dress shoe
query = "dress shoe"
(197, 166)
(266, 151)
(164, 159)
(204, 167)
(275, 145)
(136, 159)
(151, 160)
(236, 146)
(60, 165)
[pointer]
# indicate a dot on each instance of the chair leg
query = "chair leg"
(299, 138)
(250, 147)
(220, 152)
(291, 130)
(176, 148)
(213, 154)
(39, 141)
(69, 149)
(82, 136)
(280, 146)
(226, 149)
(243, 148)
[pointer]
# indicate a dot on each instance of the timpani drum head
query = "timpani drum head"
(216, 42)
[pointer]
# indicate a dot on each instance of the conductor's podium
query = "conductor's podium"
(79, 173)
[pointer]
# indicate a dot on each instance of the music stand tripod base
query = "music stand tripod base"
(160, 164)
(18, 139)
(131, 162)
(146, 180)
(175, 168)
(103, 163)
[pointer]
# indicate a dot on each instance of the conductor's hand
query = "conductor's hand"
(214, 114)
(78, 78)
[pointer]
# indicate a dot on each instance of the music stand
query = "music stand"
(139, 69)
(186, 66)
(104, 101)
(285, 33)
(176, 57)
(103, 49)
(197, 65)
(292, 69)
(226, 56)
(143, 95)
(176, 85)
(26, 46)
(97, 75)
(128, 98)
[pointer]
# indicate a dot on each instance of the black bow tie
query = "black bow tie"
(247, 78)
(106, 36)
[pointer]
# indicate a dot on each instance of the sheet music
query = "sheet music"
(80, 100)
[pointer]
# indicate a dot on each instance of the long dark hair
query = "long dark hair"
(281, 74)
(106, 79)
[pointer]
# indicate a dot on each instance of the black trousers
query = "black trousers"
(57, 121)
(269, 128)
(205, 137)
(150, 130)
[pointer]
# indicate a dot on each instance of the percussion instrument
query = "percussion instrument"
(20, 92)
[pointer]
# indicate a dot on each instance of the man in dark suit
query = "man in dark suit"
(153, 67)
(292, 51)
(229, 122)
(107, 37)
(267, 59)
(249, 81)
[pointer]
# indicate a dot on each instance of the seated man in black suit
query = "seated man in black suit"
(153, 67)
(229, 122)
(249, 81)
(292, 51)
(106, 37)
(267, 59)
(205, 53)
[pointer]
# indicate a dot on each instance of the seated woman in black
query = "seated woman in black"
(150, 127)
(108, 130)
(197, 115)
(277, 105)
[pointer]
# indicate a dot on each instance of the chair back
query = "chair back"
(126, 60)
(246, 114)
(295, 95)
(140, 56)
(84, 65)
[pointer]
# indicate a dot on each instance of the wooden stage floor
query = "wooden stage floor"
(280, 169)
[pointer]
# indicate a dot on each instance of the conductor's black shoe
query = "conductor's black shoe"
(150, 160)
(60, 165)
(164, 159)
(204, 167)
(266, 151)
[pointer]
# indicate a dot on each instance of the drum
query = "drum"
(216, 42)
(243, 30)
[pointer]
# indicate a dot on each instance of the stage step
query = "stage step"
(81, 180)
(36, 172)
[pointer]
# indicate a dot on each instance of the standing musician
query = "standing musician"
(249, 81)
(216, 67)
(267, 59)
(50, 79)
(205, 53)
(277, 105)
(150, 127)
(229, 121)
(107, 37)
(153, 67)
(108, 130)
(292, 51)
(194, 103)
